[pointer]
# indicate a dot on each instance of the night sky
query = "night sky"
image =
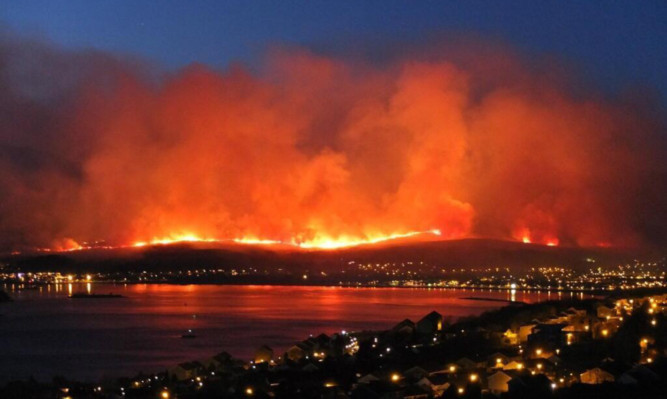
(616, 44)
(329, 124)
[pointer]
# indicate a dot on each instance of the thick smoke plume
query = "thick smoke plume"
(472, 142)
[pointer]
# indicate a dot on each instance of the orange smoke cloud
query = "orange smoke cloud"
(319, 150)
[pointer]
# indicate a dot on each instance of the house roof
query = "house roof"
(368, 378)
(499, 374)
(223, 357)
(416, 372)
(613, 367)
(433, 316)
(190, 365)
(496, 355)
(597, 370)
(643, 373)
(301, 346)
(404, 323)
(322, 338)
(549, 328)
(438, 379)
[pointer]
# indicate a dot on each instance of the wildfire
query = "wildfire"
(316, 151)
(174, 239)
(322, 242)
(69, 245)
(328, 242)
(527, 237)
(319, 242)
(325, 242)
(256, 241)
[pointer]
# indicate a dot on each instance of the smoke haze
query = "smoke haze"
(474, 142)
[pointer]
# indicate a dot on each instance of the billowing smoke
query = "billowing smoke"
(472, 142)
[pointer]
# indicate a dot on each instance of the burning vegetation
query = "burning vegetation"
(317, 151)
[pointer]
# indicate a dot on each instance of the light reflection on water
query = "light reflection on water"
(44, 333)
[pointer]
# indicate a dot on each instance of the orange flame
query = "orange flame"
(173, 239)
(255, 241)
(526, 236)
(326, 242)
(322, 242)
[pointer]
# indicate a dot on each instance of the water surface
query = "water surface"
(44, 333)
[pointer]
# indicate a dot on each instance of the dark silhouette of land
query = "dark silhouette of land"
(443, 254)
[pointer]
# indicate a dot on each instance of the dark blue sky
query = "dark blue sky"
(620, 42)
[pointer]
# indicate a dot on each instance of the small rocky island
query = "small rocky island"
(84, 295)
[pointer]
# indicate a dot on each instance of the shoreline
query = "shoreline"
(602, 292)
(508, 302)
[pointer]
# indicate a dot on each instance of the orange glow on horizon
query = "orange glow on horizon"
(527, 236)
(320, 242)
(173, 239)
(256, 241)
(326, 242)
